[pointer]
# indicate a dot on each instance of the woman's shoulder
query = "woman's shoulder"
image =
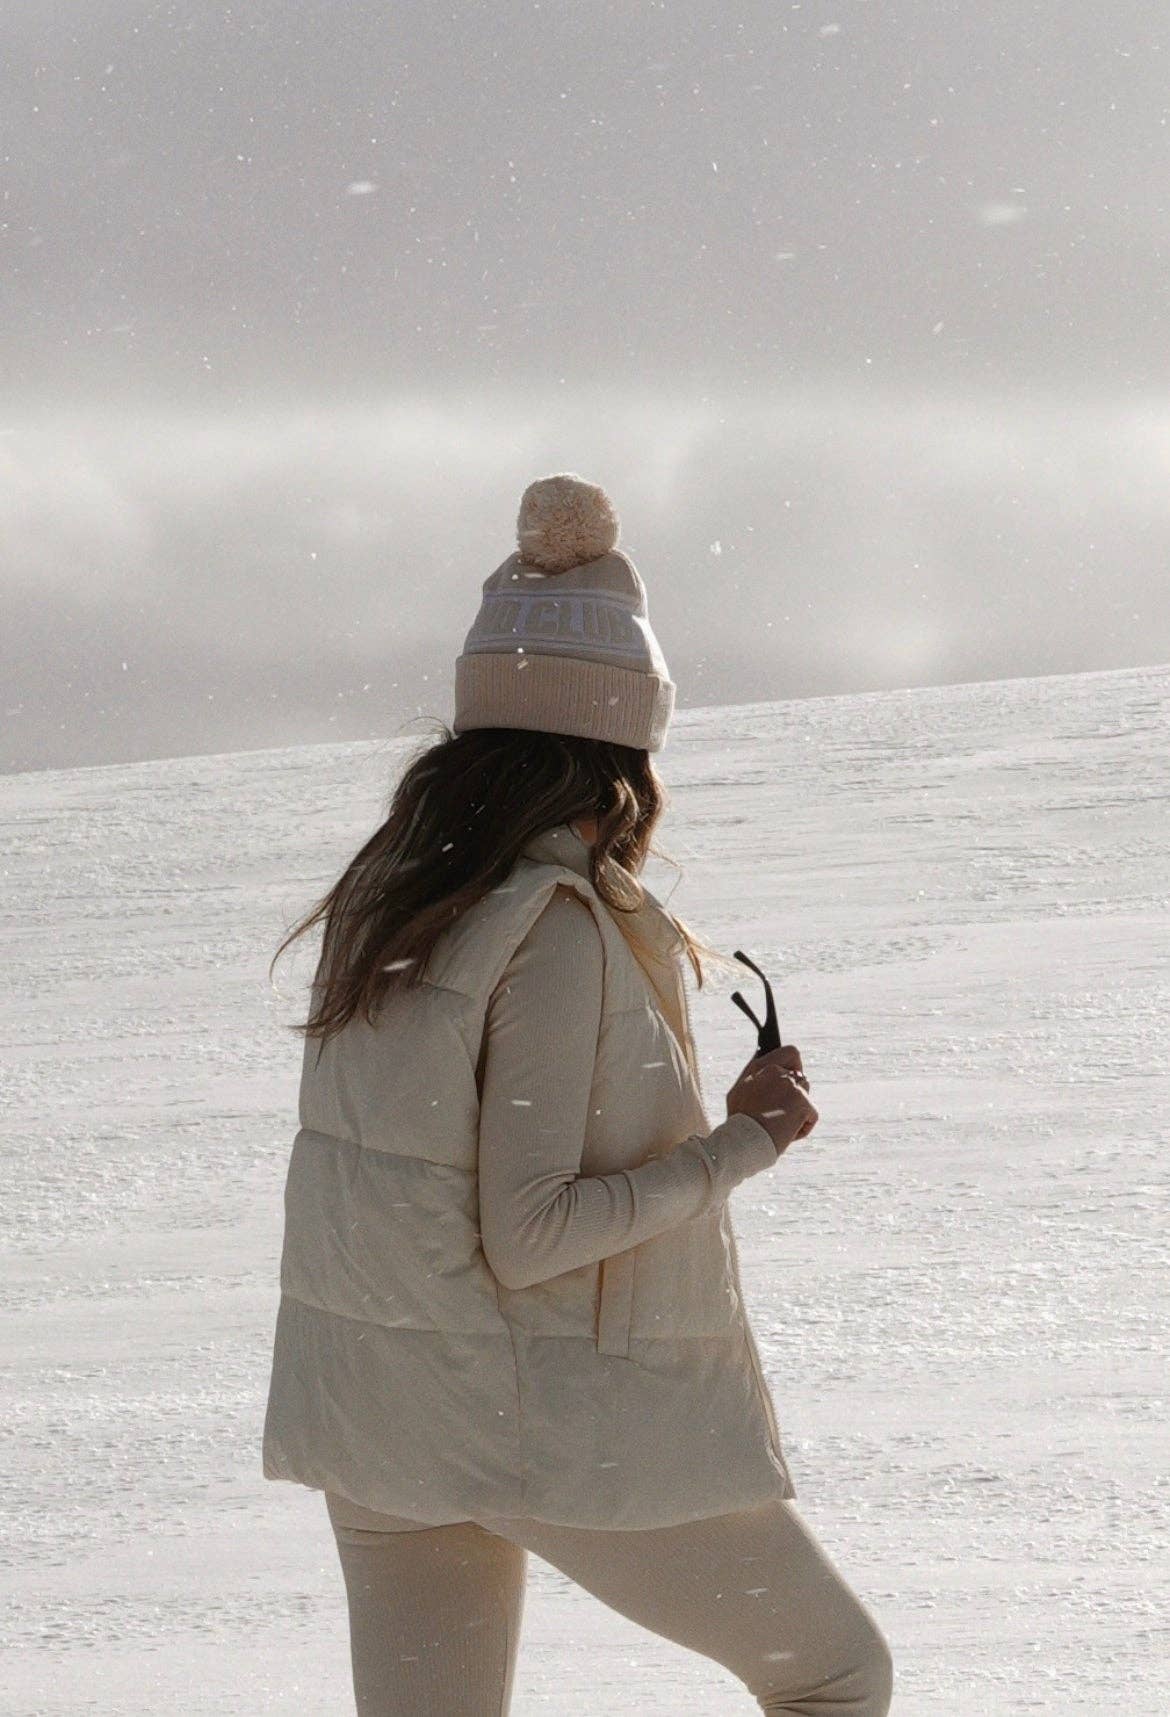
(563, 941)
(566, 924)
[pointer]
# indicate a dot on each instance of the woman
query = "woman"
(511, 1314)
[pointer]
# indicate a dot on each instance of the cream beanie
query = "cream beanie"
(562, 641)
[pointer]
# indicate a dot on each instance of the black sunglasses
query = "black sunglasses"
(769, 1031)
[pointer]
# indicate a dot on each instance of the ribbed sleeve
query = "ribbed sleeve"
(539, 1216)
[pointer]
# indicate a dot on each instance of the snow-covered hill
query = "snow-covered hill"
(959, 1282)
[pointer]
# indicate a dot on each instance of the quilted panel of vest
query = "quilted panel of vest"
(616, 1302)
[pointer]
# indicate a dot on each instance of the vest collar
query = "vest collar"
(561, 845)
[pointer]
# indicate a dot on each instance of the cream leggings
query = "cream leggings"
(434, 1614)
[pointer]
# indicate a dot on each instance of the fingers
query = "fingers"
(788, 1057)
(786, 1060)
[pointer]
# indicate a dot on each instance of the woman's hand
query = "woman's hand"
(771, 1089)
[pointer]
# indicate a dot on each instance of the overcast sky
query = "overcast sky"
(858, 311)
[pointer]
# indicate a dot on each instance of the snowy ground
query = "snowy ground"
(958, 1283)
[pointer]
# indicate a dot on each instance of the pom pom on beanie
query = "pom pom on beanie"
(564, 521)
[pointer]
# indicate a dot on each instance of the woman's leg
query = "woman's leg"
(434, 1619)
(754, 1591)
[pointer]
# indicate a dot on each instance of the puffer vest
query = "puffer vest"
(405, 1376)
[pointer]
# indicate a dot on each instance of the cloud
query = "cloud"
(69, 520)
(284, 574)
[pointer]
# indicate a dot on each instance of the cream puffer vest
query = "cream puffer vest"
(405, 1376)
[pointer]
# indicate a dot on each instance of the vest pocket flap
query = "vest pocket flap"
(615, 1302)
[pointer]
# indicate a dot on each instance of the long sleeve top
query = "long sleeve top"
(539, 1215)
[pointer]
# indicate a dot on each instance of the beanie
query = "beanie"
(562, 641)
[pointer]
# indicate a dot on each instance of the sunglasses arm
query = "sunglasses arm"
(768, 1031)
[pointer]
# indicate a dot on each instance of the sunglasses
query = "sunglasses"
(769, 1031)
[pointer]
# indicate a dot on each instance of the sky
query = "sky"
(857, 312)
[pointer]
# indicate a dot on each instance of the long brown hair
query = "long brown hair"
(460, 816)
